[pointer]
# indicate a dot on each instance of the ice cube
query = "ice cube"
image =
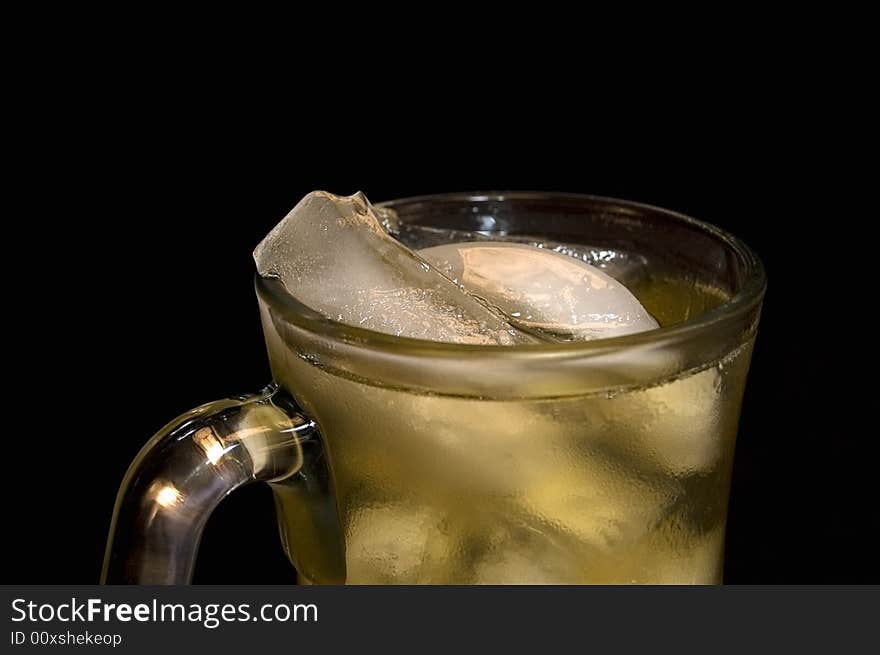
(686, 425)
(601, 502)
(332, 254)
(396, 543)
(508, 550)
(541, 291)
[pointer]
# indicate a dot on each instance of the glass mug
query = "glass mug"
(402, 461)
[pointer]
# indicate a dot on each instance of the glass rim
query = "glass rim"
(739, 305)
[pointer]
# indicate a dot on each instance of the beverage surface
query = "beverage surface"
(628, 486)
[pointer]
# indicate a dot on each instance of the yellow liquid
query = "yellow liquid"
(627, 487)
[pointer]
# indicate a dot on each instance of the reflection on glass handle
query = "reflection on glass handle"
(184, 472)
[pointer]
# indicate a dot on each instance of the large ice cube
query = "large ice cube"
(542, 291)
(623, 265)
(332, 254)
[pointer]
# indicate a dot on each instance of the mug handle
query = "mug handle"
(186, 469)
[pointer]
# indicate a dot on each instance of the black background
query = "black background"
(136, 303)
